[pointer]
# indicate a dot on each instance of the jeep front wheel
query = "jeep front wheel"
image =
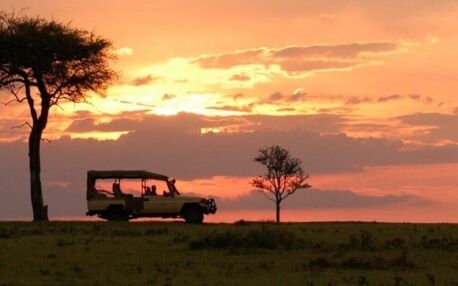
(193, 214)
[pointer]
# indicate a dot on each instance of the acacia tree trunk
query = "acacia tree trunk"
(277, 204)
(40, 211)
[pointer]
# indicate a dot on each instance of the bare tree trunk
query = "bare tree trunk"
(40, 211)
(277, 203)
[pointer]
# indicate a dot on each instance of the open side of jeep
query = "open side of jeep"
(118, 205)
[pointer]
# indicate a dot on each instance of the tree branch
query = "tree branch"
(16, 98)
(8, 102)
(264, 193)
(22, 125)
(46, 140)
(287, 195)
(10, 81)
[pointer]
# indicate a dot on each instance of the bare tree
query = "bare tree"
(44, 62)
(284, 175)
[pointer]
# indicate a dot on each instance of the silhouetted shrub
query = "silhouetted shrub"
(241, 222)
(264, 238)
(377, 262)
(125, 232)
(366, 240)
(319, 263)
(363, 241)
(63, 242)
(445, 243)
(156, 231)
(180, 237)
(5, 233)
(395, 243)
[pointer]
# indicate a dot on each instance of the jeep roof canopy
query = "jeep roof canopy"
(93, 175)
(121, 174)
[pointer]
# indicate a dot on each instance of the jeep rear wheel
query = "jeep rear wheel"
(193, 214)
(117, 216)
(115, 213)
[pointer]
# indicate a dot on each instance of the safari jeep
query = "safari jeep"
(107, 199)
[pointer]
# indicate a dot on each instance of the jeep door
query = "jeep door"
(161, 205)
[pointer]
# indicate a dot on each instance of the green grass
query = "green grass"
(155, 253)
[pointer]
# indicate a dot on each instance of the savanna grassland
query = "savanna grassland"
(163, 253)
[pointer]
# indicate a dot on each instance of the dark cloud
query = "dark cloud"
(339, 110)
(181, 80)
(137, 103)
(278, 97)
(370, 127)
(245, 108)
(345, 51)
(299, 66)
(239, 77)
(297, 60)
(82, 125)
(421, 98)
(229, 60)
(144, 80)
(173, 145)
(298, 95)
(354, 100)
(441, 127)
(10, 128)
(318, 199)
(274, 97)
(183, 122)
(286, 109)
(389, 98)
(192, 123)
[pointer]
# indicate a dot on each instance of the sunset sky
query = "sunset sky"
(365, 93)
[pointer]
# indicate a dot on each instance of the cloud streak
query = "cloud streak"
(303, 60)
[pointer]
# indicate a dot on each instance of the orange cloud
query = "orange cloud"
(124, 51)
(144, 80)
(240, 77)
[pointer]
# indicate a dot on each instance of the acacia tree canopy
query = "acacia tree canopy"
(283, 177)
(43, 62)
(60, 61)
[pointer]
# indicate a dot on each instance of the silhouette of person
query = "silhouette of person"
(117, 189)
(173, 189)
(148, 191)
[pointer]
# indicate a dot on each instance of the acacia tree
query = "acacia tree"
(284, 175)
(44, 62)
